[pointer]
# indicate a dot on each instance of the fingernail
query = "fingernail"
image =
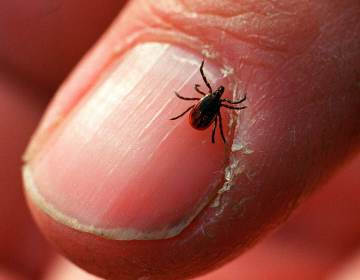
(117, 166)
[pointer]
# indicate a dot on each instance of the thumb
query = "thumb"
(127, 193)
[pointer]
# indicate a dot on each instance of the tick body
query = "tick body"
(207, 110)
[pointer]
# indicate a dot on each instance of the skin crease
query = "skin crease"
(61, 230)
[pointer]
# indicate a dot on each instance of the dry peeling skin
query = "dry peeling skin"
(176, 204)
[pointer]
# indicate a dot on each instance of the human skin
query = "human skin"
(270, 61)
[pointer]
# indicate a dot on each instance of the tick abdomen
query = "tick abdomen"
(204, 113)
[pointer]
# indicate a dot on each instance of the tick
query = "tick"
(207, 110)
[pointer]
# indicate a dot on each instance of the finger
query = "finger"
(42, 41)
(317, 243)
(22, 248)
(63, 269)
(108, 163)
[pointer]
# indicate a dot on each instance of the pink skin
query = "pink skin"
(317, 243)
(312, 245)
(275, 161)
(63, 269)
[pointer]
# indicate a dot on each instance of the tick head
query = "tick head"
(219, 92)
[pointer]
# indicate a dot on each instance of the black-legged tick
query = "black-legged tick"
(207, 110)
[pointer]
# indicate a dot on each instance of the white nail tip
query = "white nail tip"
(114, 234)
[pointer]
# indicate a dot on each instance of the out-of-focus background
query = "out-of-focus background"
(40, 42)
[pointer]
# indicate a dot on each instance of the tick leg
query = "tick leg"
(204, 78)
(221, 128)
(186, 98)
(234, 102)
(196, 87)
(232, 107)
(187, 110)
(214, 130)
